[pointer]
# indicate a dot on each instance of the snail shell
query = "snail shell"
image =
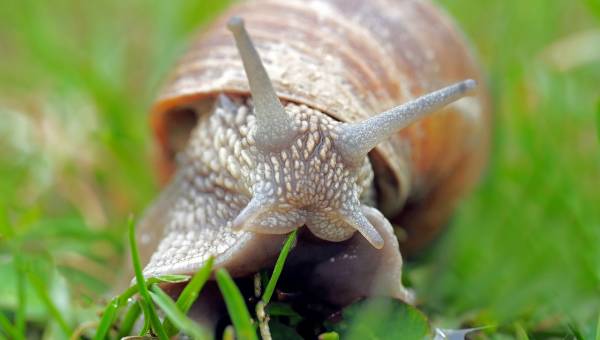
(345, 62)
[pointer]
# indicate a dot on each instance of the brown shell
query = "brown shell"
(352, 59)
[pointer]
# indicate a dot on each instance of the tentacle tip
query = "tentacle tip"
(376, 242)
(468, 85)
(238, 224)
(235, 24)
(372, 236)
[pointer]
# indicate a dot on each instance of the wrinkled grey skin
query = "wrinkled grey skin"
(207, 195)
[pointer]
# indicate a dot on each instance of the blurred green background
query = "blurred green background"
(77, 79)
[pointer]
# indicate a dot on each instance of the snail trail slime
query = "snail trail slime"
(346, 119)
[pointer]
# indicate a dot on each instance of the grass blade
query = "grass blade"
(236, 306)
(21, 296)
(132, 290)
(287, 246)
(149, 311)
(42, 291)
(129, 320)
(229, 333)
(8, 328)
(179, 319)
(190, 293)
(598, 325)
(116, 303)
(329, 336)
(520, 333)
(146, 326)
(598, 120)
(107, 320)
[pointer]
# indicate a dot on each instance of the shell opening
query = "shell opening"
(179, 127)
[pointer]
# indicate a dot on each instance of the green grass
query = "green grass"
(108, 317)
(148, 306)
(177, 316)
(236, 306)
(270, 288)
(76, 82)
(129, 320)
(190, 293)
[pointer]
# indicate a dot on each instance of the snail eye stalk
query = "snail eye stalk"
(274, 126)
(357, 139)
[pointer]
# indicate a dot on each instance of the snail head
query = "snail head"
(313, 170)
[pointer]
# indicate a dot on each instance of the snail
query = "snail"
(346, 119)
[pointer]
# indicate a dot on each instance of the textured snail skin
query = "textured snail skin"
(217, 177)
(222, 171)
(209, 191)
(332, 63)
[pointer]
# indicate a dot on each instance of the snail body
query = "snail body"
(311, 135)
